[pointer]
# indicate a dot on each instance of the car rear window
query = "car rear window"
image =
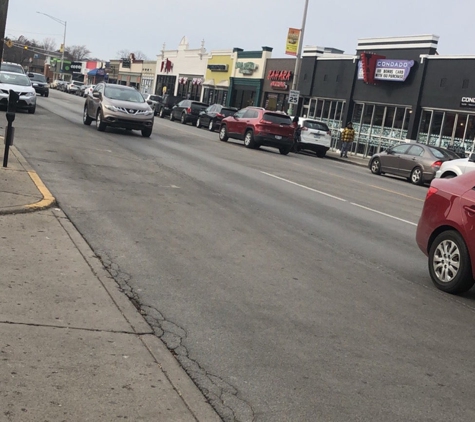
(228, 111)
(200, 104)
(315, 125)
(155, 98)
(38, 78)
(280, 119)
(443, 153)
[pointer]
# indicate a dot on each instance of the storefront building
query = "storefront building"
(393, 90)
(130, 72)
(248, 77)
(279, 76)
(219, 70)
(181, 72)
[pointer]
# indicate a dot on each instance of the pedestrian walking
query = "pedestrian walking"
(347, 137)
(297, 132)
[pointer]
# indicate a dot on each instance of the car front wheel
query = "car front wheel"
(376, 166)
(146, 132)
(85, 117)
(211, 125)
(100, 125)
(183, 119)
(449, 263)
(223, 134)
(198, 123)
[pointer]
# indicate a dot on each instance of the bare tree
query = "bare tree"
(49, 44)
(77, 52)
(125, 54)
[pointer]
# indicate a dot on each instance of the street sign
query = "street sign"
(294, 97)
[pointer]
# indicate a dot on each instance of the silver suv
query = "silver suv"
(118, 106)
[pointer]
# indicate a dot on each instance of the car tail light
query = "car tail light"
(188, 110)
(304, 128)
(436, 165)
(431, 192)
(220, 115)
(265, 122)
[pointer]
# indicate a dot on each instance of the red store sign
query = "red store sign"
(279, 75)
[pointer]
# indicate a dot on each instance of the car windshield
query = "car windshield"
(123, 94)
(315, 125)
(11, 68)
(15, 79)
(280, 119)
(443, 153)
(37, 78)
(228, 111)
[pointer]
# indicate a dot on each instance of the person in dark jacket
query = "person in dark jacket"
(297, 132)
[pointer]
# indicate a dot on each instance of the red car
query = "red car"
(446, 232)
(257, 126)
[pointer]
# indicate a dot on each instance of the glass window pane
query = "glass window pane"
(424, 126)
(311, 111)
(332, 110)
(447, 129)
(436, 127)
(318, 110)
(326, 109)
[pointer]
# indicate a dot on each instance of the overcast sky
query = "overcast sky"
(107, 26)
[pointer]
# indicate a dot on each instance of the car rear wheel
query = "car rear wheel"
(249, 139)
(211, 125)
(100, 125)
(448, 176)
(223, 134)
(320, 153)
(375, 166)
(85, 117)
(146, 132)
(449, 263)
(198, 123)
(172, 117)
(416, 176)
(285, 150)
(161, 113)
(183, 119)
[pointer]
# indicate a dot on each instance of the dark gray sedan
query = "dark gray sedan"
(416, 162)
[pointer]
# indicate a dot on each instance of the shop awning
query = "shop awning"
(209, 82)
(96, 72)
(223, 84)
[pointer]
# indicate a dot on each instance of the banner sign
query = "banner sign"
(389, 70)
(467, 102)
(292, 44)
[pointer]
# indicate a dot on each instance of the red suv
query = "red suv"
(446, 232)
(257, 126)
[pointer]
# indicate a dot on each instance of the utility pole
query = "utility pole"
(298, 61)
(3, 24)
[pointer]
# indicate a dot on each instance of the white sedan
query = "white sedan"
(21, 84)
(454, 168)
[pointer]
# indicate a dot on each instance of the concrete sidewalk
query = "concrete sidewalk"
(73, 347)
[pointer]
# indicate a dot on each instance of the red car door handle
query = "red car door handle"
(469, 209)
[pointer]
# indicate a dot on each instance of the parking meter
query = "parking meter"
(11, 109)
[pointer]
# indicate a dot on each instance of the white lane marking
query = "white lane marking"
(383, 213)
(303, 186)
(339, 199)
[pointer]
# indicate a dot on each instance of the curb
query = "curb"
(48, 200)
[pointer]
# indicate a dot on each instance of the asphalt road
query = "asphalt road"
(289, 287)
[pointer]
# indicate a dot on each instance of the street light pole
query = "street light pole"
(64, 23)
(298, 61)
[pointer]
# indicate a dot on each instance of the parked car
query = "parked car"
(417, 162)
(62, 85)
(166, 104)
(257, 126)
(73, 86)
(21, 84)
(118, 106)
(40, 83)
(187, 111)
(11, 67)
(446, 232)
(314, 136)
(153, 101)
(212, 116)
(80, 92)
(454, 168)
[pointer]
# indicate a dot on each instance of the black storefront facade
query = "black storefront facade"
(393, 90)
(278, 79)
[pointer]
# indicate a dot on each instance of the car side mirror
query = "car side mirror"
(30, 75)
(472, 157)
(96, 94)
(149, 102)
(235, 115)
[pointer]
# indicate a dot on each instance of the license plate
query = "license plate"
(278, 137)
(317, 135)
